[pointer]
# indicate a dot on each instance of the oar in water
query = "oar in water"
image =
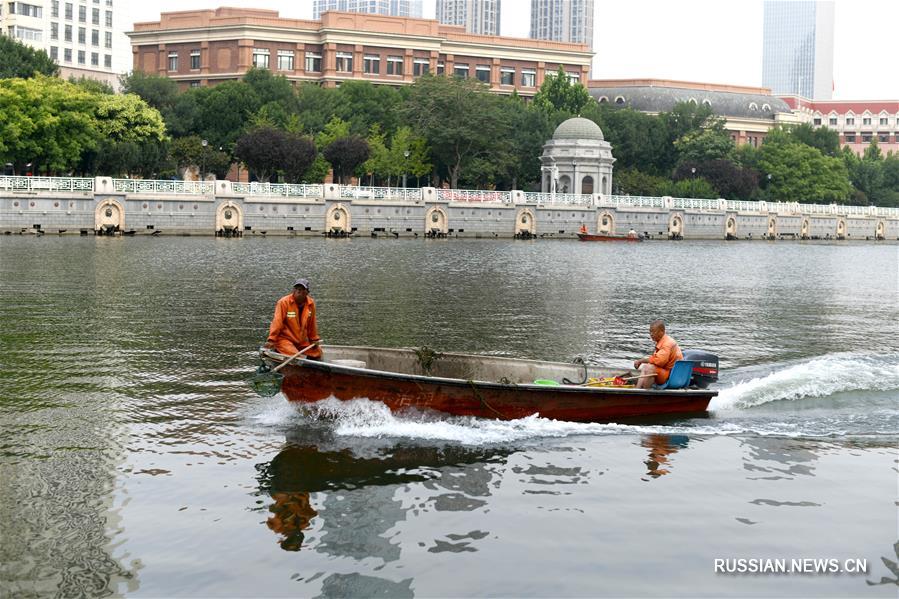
(267, 381)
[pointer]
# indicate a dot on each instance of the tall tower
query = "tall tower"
(393, 8)
(84, 39)
(797, 52)
(477, 16)
(563, 21)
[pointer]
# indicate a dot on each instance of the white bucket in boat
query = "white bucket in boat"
(353, 363)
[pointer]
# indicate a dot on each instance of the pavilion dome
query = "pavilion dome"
(578, 128)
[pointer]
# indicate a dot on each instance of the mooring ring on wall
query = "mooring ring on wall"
(436, 221)
(772, 228)
(109, 216)
(525, 222)
(730, 229)
(804, 228)
(675, 226)
(841, 228)
(880, 230)
(229, 217)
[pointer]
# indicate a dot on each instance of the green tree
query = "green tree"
(378, 157)
(557, 93)
(826, 140)
(705, 145)
(159, 92)
(362, 104)
(688, 188)
(261, 149)
(128, 118)
(801, 173)
(416, 163)
(636, 183)
(224, 111)
(21, 61)
(639, 141)
(346, 154)
(459, 118)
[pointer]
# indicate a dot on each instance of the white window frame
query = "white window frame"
(420, 66)
(371, 64)
(395, 65)
(195, 54)
(482, 69)
(173, 61)
(458, 67)
(312, 60)
(286, 60)
(261, 58)
(528, 78)
(504, 72)
(344, 62)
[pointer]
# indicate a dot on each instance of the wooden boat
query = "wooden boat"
(480, 386)
(598, 237)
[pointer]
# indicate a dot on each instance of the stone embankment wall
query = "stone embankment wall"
(138, 207)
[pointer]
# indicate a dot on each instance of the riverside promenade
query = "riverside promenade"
(107, 206)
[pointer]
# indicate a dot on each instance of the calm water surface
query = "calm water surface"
(136, 461)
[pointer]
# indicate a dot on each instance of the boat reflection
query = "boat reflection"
(306, 466)
(661, 447)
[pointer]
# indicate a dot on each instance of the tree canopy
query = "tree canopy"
(21, 61)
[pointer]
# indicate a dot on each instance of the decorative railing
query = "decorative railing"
(409, 194)
(405, 194)
(46, 183)
(286, 190)
(163, 186)
(474, 195)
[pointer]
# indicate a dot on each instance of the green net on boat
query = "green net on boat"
(265, 382)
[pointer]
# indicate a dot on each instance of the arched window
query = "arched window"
(707, 102)
(693, 101)
(766, 107)
(603, 100)
(587, 185)
(753, 106)
(619, 100)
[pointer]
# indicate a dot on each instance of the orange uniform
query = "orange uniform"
(293, 327)
(667, 353)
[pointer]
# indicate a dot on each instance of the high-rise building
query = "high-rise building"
(477, 16)
(84, 39)
(393, 8)
(563, 21)
(797, 52)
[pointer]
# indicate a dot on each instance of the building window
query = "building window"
(95, 37)
(394, 65)
(54, 31)
(80, 56)
(82, 14)
(344, 62)
(26, 10)
(817, 121)
(574, 78)
(313, 62)
(54, 9)
(285, 60)
(507, 76)
(866, 120)
(850, 139)
(866, 138)
(460, 71)
(420, 67)
(194, 60)
(766, 107)
(482, 73)
(54, 53)
(884, 137)
(884, 120)
(753, 106)
(260, 58)
(67, 35)
(95, 59)
(441, 68)
(67, 54)
(850, 120)
(95, 16)
(82, 35)
(832, 121)
(371, 64)
(109, 18)
(107, 61)
(173, 61)
(707, 102)
(528, 78)
(620, 100)
(68, 11)
(107, 39)
(194, 84)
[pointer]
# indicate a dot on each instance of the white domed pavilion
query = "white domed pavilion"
(578, 159)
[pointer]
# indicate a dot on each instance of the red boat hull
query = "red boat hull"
(592, 237)
(309, 381)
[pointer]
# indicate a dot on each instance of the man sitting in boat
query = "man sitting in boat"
(662, 361)
(583, 229)
(632, 234)
(293, 327)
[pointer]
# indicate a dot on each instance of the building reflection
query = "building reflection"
(367, 477)
(661, 448)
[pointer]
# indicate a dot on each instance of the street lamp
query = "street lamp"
(405, 168)
(203, 167)
(693, 182)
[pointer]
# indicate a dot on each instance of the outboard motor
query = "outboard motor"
(705, 367)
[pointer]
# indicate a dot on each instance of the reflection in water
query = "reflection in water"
(365, 508)
(660, 448)
(892, 566)
(786, 458)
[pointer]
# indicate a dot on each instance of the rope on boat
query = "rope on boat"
(484, 401)
(578, 360)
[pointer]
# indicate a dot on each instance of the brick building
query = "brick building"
(859, 122)
(204, 47)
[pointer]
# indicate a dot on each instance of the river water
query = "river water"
(136, 460)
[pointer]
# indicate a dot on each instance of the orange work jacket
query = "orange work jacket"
(667, 353)
(293, 327)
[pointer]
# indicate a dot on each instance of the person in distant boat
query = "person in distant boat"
(584, 229)
(662, 361)
(293, 327)
(632, 234)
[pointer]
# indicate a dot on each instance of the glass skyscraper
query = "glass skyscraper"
(797, 49)
(562, 21)
(393, 8)
(477, 16)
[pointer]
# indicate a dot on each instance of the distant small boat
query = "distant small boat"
(597, 237)
(486, 386)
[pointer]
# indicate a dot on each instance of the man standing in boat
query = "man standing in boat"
(293, 327)
(662, 361)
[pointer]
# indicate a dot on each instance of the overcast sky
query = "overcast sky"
(710, 41)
